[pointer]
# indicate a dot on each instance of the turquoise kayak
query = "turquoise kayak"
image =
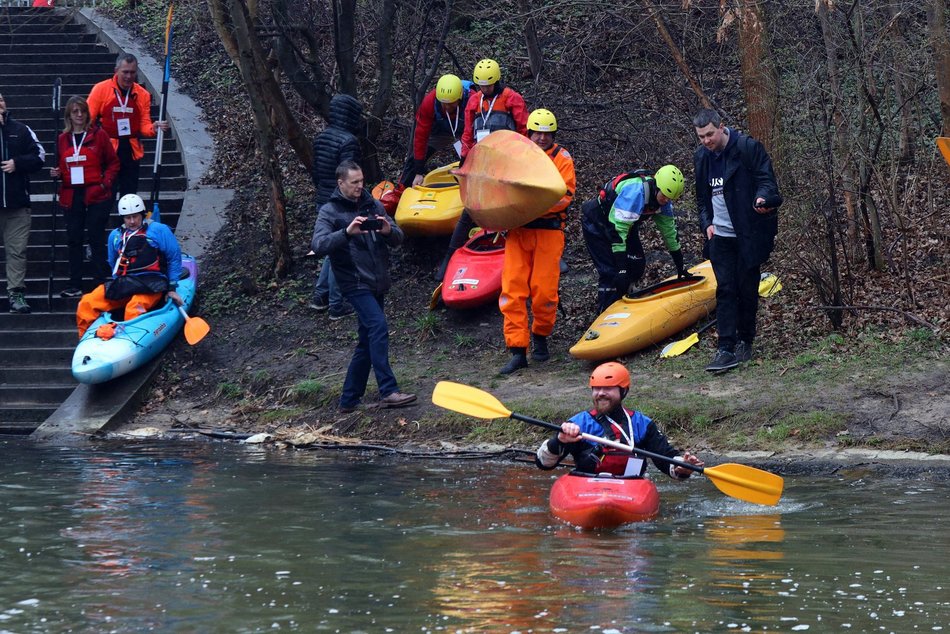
(104, 355)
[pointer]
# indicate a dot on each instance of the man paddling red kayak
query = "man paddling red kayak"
(610, 383)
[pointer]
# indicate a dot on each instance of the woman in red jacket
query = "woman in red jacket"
(88, 166)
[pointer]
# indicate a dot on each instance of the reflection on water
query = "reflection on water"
(229, 538)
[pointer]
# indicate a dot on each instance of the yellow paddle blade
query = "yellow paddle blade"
(746, 483)
(677, 348)
(769, 285)
(195, 330)
(943, 142)
(468, 400)
(436, 297)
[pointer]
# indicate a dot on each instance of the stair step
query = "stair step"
(50, 321)
(35, 395)
(37, 356)
(45, 374)
(16, 417)
(38, 338)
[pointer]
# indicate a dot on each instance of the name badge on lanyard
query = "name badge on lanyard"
(77, 175)
(123, 124)
(485, 131)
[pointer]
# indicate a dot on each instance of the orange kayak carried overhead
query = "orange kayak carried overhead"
(649, 315)
(508, 181)
(473, 275)
(603, 501)
(432, 208)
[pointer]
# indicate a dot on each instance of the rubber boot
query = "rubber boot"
(539, 348)
(518, 360)
(605, 297)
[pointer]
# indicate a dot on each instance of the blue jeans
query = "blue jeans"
(737, 293)
(327, 288)
(372, 350)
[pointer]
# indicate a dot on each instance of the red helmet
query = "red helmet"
(610, 374)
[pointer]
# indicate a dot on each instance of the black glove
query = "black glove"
(622, 277)
(678, 261)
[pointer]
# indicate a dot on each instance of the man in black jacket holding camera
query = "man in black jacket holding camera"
(354, 230)
(737, 198)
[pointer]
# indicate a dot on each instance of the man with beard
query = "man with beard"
(609, 384)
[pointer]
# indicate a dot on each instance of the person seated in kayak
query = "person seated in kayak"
(531, 272)
(440, 121)
(611, 226)
(146, 265)
(491, 106)
(609, 384)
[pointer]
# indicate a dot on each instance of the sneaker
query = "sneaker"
(722, 362)
(72, 291)
(743, 352)
(346, 311)
(397, 399)
(319, 305)
(18, 303)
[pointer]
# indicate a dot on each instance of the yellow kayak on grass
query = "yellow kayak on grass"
(432, 208)
(508, 181)
(650, 315)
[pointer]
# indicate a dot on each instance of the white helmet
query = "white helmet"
(131, 204)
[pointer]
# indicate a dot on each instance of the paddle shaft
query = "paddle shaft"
(54, 110)
(609, 443)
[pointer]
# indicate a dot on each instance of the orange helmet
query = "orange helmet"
(610, 374)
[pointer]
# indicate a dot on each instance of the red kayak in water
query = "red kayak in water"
(473, 275)
(603, 501)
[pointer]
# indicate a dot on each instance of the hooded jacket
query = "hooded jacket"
(360, 262)
(18, 142)
(337, 143)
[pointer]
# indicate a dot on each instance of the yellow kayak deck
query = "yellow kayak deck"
(650, 315)
(432, 208)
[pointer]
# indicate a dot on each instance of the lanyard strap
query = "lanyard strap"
(76, 148)
(619, 428)
(481, 111)
(122, 104)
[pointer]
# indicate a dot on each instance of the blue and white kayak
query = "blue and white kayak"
(101, 356)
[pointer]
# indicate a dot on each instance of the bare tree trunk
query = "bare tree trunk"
(344, 19)
(535, 57)
(937, 31)
(759, 78)
(905, 144)
(233, 23)
(677, 56)
(384, 86)
(842, 126)
(310, 82)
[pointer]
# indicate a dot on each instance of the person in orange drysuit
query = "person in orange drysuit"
(123, 108)
(491, 106)
(532, 256)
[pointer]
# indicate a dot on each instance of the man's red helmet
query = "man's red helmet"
(610, 374)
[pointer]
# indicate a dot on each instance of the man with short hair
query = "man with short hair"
(355, 231)
(20, 155)
(123, 108)
(737, 198)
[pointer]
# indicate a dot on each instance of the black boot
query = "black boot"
(539, 348)
(605, 297)
(518, 360)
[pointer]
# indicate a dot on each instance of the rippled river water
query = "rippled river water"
(227, 538)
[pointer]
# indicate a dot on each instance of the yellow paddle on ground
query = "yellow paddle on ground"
(769, 285)
(735, 480)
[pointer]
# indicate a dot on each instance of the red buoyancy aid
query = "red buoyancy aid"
(614, 461)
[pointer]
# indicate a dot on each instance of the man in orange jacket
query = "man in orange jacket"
(532, 256)
(123, 108)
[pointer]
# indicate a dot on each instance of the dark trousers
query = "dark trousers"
(372, 350)
(127, 182)
(599, 247)
(89, 222)
(737, 293)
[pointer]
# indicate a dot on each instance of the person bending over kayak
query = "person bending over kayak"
(609, 384)
(146, 264)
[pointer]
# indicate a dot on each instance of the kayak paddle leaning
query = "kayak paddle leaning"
(769, 285)
(735, 480)
(195, 327)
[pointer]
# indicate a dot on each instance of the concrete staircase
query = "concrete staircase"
(36, 47)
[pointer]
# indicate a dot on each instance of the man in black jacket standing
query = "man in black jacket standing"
(354, 230)
(336, 144)
(737, 197)
(20, 155)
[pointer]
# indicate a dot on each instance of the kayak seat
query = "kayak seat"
(441, 185)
